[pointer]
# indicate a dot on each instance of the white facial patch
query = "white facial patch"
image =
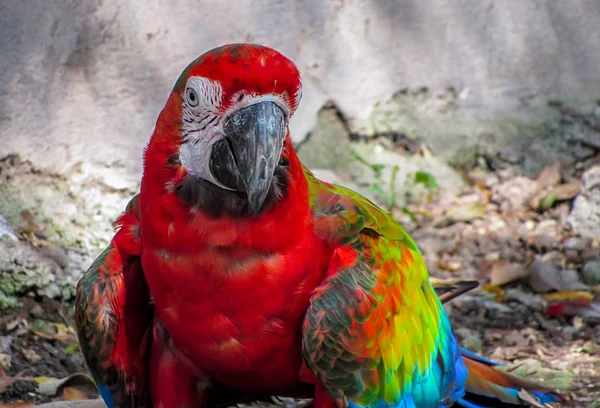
(202, 122)
(201, 126)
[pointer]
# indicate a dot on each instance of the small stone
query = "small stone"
(585, 215)
(578, 243)
(533, 301)
(74, 363)
(31, 355)
(473, 343)
(52, 291)
(591, 273)
(5, 360)
(497, 307)
(514, 338)
(572, 255)
(539, 270)
(37, 311)
(5, 343)
(543, 242)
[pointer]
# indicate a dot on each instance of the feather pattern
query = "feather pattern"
(113, 316)
(376, 334)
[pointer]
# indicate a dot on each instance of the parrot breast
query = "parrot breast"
(235, 310)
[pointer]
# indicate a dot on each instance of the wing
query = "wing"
(375, 333)
(113, 316)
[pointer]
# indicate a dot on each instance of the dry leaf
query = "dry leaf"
(90, 403)
(580, 307)
(496, 290)
(31, 355)
(550, 176)
(30, 225)
(463, 213)
(566, 191)
(569, 295)
(450, 266)
(502, 272)
(17, 405)
(73, 394)
(5, 360)
(80, 382)
(61, 332)
(526, 396)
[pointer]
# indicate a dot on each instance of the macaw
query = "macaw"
(236, 272)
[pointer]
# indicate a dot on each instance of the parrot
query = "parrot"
(236, 274)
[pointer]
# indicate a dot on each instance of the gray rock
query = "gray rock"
(328, 146)
(545, 276)
(591, 272)
(585, 215)
(531, 300)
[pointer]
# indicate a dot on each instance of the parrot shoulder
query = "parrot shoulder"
(341, 215)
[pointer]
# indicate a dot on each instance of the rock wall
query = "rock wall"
(82, 81)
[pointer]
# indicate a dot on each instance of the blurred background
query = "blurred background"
(476, 123)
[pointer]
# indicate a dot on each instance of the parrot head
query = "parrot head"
(225, 128)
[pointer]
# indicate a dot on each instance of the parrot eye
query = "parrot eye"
(192, 97)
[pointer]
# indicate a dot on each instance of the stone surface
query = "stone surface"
(591, 272)
(83, 81)
(585, 215)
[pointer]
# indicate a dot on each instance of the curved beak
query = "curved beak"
(246, 158)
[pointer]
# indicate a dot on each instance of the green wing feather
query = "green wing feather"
(375, 332)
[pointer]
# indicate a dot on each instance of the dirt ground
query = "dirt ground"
(534, 310)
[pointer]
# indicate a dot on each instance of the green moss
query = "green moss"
(8, 301)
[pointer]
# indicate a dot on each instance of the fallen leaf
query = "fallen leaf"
(550, 176)
(6, 381)
(60, 332)
(567, 191)
(569, 295)
(73, 394)
(5, 360)
(450, 266)
(17, 405)
(502, 272)
(496, 290)
(464, 213)
(31, 355)
(10, 326)
(530, 368)
(90, 403)
(579, 307)
(80, 382)
(29, 223)
(545, 199)
(43, 379)
(526, 396)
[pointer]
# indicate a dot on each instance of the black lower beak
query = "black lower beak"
(246, 158)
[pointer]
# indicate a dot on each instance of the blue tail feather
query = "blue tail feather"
(105, 394)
